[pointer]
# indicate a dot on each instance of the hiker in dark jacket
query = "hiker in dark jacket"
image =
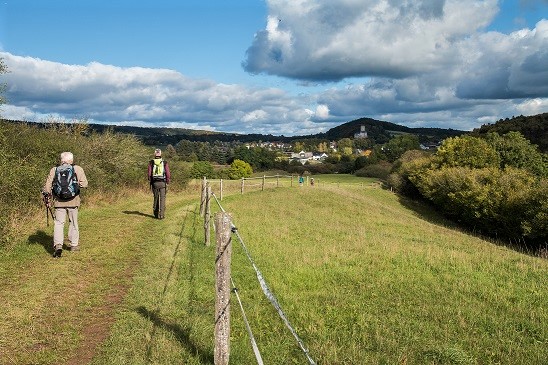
(159, 177)
(65, 204)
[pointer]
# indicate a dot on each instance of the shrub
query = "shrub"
(380, 170)
(239, 169)
(502, 203)
(467, 151)
(202, 168)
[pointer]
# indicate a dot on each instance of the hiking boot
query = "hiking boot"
(74, 248)
(57, 253)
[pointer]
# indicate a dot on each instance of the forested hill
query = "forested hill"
(381, 131)
(534, 128)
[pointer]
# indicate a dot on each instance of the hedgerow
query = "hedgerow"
(114, 163)
(490, 185)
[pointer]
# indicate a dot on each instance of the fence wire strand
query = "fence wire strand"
(267, 292)
(247, 326)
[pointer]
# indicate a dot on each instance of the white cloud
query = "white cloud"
(533, 106)
(322, 111)
(255, 116)
(141, 96)
(331, 40)
(422, 56)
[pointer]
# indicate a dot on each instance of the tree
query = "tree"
(185, 149)
(170, 152)
(298, 147)
(517, 151)
(345, 145)
(259, 158)
(323, 147)
(467, 151)
(363, 143)
(200, 169)
(239, 169)
(397, 146)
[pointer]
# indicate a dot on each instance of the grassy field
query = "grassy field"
(364, 276)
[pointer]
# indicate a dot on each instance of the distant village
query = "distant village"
(317, 157)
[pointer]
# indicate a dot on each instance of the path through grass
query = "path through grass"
(363, 278)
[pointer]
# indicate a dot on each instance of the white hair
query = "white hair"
(67, 157)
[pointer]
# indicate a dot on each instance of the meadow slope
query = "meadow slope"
(364, 277)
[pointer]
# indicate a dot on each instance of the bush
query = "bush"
(380, 170)
(202, 169)
(239, 169)
(467, 151)
(502, 203)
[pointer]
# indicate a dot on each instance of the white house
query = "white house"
(302, 156)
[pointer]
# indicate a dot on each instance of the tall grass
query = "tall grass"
(366, 280)
(364, 277)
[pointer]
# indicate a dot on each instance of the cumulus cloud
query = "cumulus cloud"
(322, 111)
(416, 61)
(331, 40)
(139, 96)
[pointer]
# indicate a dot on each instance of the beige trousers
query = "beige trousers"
(59, 227)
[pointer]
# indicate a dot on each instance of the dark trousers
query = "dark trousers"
(159, 188)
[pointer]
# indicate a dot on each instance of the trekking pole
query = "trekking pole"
(47, 203)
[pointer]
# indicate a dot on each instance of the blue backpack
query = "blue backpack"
(65, 182)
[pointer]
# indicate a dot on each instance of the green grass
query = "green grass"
(366, 279)
(363, 276)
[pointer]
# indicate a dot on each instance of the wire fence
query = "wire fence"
(249, 184)
(262, 282)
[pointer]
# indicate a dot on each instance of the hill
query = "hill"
(534, 128)
(381, 131)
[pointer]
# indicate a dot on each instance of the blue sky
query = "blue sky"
(290, 67)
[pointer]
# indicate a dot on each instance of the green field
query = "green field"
(364, 276)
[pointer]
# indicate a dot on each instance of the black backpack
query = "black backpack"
(65, 182)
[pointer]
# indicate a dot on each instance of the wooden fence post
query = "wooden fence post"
(207, 216)
(242, 188)
(203, 197)
(277, 180)
(221, 189)
(291, 180)
(222, 288)
(262, 187)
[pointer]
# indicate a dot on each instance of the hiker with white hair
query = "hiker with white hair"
(64, 183)
(159, 177)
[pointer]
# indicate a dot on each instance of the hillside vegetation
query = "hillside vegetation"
(114, 163)
(534, 128)
(495, 185)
